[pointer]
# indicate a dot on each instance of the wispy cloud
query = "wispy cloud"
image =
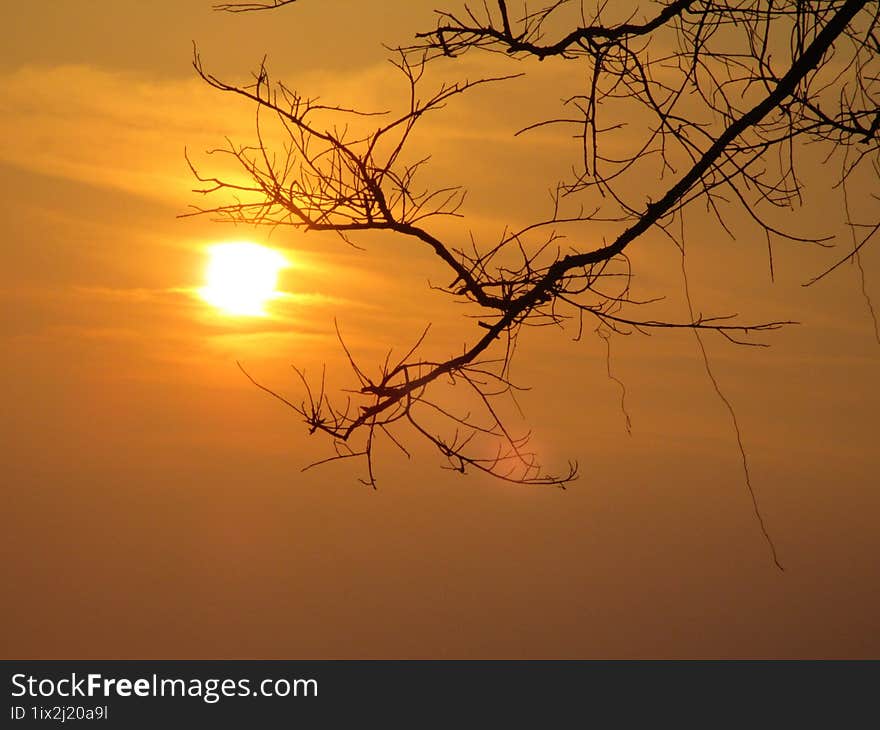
(128, 131)
(110, 129)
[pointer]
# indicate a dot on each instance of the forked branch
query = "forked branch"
(725, 114)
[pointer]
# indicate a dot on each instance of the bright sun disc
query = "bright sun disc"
(242, 277)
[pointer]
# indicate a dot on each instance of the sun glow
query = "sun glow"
(241, 278)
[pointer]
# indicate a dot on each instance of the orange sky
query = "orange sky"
(154, 504)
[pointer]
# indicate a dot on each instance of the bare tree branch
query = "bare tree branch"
(730, 92)
(248, 7)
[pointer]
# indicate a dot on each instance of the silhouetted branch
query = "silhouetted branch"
(728, 88)
(248, 7)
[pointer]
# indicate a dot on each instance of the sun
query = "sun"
(242, 277)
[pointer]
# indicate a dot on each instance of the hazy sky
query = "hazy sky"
(154, 504)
